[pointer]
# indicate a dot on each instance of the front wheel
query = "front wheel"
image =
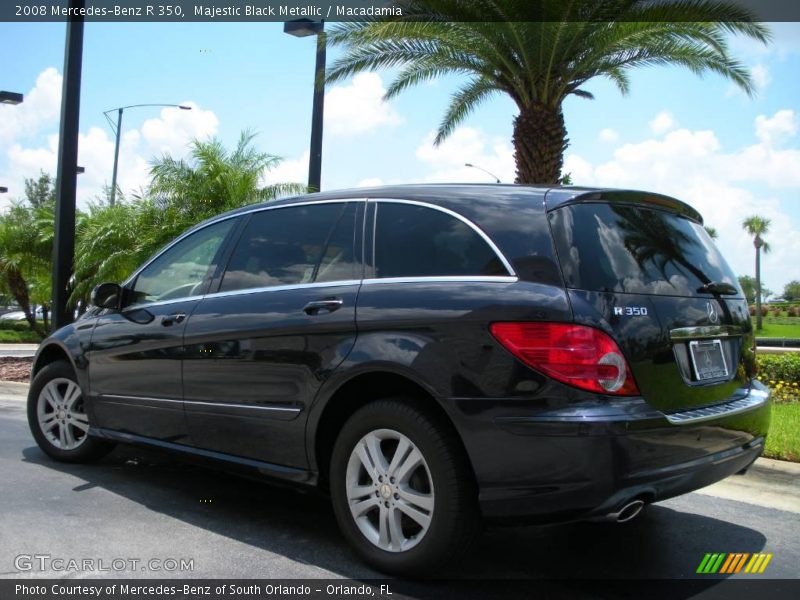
(57, 416)
(402, 490)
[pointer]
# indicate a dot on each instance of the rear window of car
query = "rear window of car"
(417, 241)
(634, 249)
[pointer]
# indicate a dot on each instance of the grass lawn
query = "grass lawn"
(17, 332)
(18, 337)
(783, 441)
(779, 327)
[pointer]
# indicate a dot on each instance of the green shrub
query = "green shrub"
(781, 372)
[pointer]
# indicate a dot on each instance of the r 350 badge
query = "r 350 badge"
(630, 311)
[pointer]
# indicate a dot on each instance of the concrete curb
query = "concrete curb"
(14, 388)
(769, 467)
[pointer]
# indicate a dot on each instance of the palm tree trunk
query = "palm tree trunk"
(19, 289)
(758, 288)
(540, 139)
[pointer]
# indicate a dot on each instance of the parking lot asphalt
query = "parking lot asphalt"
(140, 504)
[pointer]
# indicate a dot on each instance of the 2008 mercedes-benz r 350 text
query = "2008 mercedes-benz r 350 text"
(432, 356)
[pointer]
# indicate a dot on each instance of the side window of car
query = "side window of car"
(181, 271)
(295, 245)
(417, 241)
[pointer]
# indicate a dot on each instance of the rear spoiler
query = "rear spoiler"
(558, 197)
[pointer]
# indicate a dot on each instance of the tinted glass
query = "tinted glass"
(182, 270)
(294, 245)
(624, 248)
(416, 241)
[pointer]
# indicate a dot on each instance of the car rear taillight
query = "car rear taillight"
(577, 355)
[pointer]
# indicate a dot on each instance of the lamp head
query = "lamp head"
(303, 27)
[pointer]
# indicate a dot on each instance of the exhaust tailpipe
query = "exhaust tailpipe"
(627, 513)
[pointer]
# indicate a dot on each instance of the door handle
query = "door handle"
(170, 320)
(326, 305)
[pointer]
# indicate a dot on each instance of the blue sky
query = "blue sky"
(698, 139)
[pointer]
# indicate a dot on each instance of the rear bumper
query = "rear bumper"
(591, 458)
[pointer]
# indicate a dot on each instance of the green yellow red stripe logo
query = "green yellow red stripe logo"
(729, 563)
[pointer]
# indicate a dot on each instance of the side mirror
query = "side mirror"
(107, 295)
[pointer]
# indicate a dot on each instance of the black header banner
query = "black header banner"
(210, 11)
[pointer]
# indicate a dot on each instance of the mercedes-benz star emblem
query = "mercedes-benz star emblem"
(713, 315)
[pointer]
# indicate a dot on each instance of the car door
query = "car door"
(135, 381)
(282, 319)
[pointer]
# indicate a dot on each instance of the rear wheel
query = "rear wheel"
(402, 491)
(57, 416)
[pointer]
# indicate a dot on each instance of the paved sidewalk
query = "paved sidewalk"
(18, 350)
(772, 483)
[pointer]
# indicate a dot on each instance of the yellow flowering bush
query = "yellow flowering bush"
(781, 372)
(784, 391)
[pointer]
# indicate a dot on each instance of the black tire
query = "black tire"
(454, 521)
(86, 448)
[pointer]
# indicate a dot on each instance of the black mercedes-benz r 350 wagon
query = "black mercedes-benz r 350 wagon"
(430, 356)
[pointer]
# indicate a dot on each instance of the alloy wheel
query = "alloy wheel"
(61, 415)
(390, 491)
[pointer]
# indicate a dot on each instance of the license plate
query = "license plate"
(708, 359)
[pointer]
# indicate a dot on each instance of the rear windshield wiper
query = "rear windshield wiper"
(718, 287)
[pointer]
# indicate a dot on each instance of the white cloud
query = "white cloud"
(175, 128)
(663, 122)
(467, 145)
(761, 77)
(774, 130)
(40, 108)
(27, 162)
(26, 156)
(608, 135)
(359, 107)
(726, 186)
(293, 170)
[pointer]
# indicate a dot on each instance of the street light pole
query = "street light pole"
(116, 158)
(317, 112)
(9, 98)
(67, 171)
(118, 135)
(304, 28)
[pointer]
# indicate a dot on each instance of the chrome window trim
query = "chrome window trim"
(281, 288)
(454, 214)
(218, 404)
(233, 216)
(445, 279)
(512, 278)
(146, 305)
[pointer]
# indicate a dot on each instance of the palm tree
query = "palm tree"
(758, 227)
(711, 231)
(548, 52)
(113, 240)
(26, 250)
(215, 179)
(109, 246)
